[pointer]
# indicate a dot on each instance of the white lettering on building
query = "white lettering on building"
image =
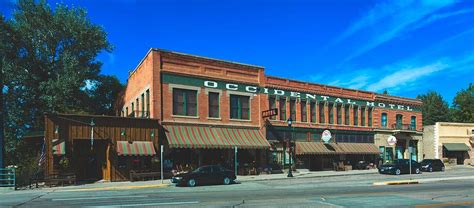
(251, 89)
(232, 86)
(210, 84)
(325, 98)
(401, 107)
(279, 92)
(382, 105)
(295, 94)
(371, 104)
(339, 100)
(308, 96)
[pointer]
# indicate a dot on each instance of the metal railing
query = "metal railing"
(139, 114)
(399, 126)
(7, 177)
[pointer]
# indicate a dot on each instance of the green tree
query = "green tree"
(51, 59)
(434, 109)
(463, 105)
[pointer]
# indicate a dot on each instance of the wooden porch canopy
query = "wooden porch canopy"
(319, 148)
(188, 136)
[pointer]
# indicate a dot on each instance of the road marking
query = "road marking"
(116, 188)
(150, 204)
(99, 197)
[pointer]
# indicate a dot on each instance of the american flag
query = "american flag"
(43, 153)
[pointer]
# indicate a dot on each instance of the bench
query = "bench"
(144, 175)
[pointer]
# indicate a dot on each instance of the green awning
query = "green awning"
(59, 147)
(135, 148)
(456, 147)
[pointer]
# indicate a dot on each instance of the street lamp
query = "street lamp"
(290, 121)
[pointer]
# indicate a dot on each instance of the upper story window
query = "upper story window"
(322, 118)
(399, 118)
(304, 112)
(370, 116)
(184, 102)
(347, 114)
(413, 123)
(356, 115)
(331, 113)
(339, 113)
(126, 112)
(132, 109)
(272, 105)
(148, 102)
(384, 120)
(293, 109)
(362, 116)
(239, 107)
(283, 109)
(214, 105)
(312, 111)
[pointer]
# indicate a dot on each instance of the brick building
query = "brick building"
(209, 107)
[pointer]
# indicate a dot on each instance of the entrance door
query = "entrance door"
(89, 162)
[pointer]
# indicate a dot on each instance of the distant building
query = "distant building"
(449, 141)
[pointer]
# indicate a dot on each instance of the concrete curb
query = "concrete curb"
(305, 176)
(116, 188)
(422, 180)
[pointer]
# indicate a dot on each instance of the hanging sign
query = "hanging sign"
(392, 140)
(326, 136)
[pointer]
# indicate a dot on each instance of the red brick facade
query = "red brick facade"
(149, 75)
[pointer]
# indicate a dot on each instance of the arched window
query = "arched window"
(384, 119)
(399, 119)
(413, 123)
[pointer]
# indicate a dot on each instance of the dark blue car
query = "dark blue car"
(400, 166)
(212, 174)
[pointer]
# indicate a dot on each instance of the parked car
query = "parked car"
(400, 166)
(212, 174)
(431, 165)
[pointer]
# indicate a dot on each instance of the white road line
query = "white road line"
(99, 197)
(149, 204)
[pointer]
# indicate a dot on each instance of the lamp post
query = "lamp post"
(290, 121)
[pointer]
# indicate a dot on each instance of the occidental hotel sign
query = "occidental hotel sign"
(183, 80)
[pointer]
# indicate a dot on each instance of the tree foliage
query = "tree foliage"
(434, 109)
(463, 105)
(50, 65)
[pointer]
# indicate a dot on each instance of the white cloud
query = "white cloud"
(437, 17)
(388, 20)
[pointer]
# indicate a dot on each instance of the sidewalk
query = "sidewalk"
(305, 174)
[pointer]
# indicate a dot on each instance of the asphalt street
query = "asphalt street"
(342, 191)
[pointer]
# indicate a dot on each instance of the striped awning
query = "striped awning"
(59, 147)
(319, 148)
(135, 148)
(359, 148)
(182, 136)
(316, 148)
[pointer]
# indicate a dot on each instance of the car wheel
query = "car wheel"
(226, 181)
(442, 169)
(397, 172)
(417, 171)
(191, 182)
(431, 169)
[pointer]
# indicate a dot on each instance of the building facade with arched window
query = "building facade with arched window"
(210, 107)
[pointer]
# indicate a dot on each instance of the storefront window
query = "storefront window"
(384, 120)
(413, 123)
(293, 109)
(239, 107)
(283, 109)
(184, 102)
(214, 105)
(331, 113)
(312, 109)
(315, 137)
(272, 105)
(304, 112)
(322, 118)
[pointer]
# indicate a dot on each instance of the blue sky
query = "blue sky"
(406, 47)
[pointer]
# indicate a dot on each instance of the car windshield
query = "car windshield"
(426, 162)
